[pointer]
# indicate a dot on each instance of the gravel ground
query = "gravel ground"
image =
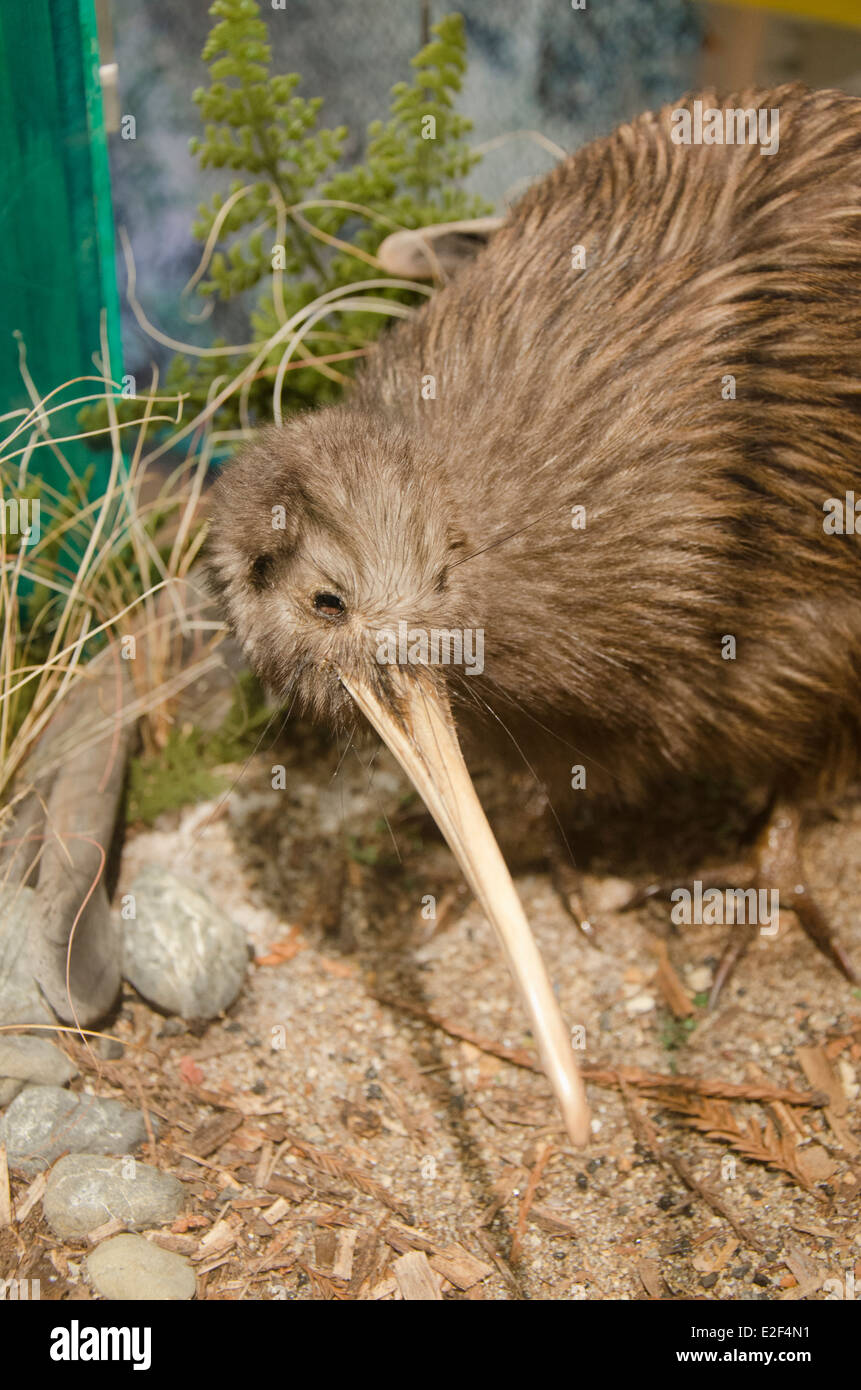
(380, 1133)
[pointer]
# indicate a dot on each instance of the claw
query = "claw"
(820, 932)
(566, 881)
(736, 946)
(776, 863)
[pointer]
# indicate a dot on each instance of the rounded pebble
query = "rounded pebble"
(45, 1121)
(129, 1268)
(180, 951)
(86, 1190)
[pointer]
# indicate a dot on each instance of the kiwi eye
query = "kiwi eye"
(329, 605)
(261, 571)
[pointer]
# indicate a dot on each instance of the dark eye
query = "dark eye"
(262, 571)
(329, 605)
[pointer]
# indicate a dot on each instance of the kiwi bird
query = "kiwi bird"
(611, 445)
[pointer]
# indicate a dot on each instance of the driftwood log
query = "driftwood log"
(60, 838)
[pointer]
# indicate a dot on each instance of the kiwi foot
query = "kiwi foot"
(775, 864)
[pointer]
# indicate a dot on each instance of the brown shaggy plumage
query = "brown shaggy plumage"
(602, 387)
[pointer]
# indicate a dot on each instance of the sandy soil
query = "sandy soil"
(452, 1132)
(379, 1132)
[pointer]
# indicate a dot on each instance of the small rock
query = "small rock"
(171, 1028)
(21, 1000)
(700, 979)
(130, 1268)
(180, 951)
(640, 1004)
(606, 894)
(86, 1190)
(110, 1048)
(44, 1121)
(708, 1281)
(34, 1059)
(9, 1090)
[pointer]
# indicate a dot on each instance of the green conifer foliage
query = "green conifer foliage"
(260, 128)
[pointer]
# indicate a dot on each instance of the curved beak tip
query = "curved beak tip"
(423, 739)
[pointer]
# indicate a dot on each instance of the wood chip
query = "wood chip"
(842, 1133)
(552, 1221)
(34, 1194)
(405, 1238)
(649, 1271)
(813, 1228)
(264, 1164)
(822, 1077)
(212, 1133)
(283, 950)
(286, 1187)
(712, 1259)
(459, 1267)
(247, 1139)
(809, 1274)
(276, 1212)
(416, 1280)
(324, 1251)
(816, 1163)
(106, 1230)
(386, 1288)
(215, 1263)
(6, 1217)
(169, 1240)
(342, 1266)
(677, 998)
(216, 1241)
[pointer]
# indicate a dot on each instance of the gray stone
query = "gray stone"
(181, 952)
(34, 1059)
(9, 1090)
(86, 1190)
(44, 1121)
(130, 1268)
(21, 1000)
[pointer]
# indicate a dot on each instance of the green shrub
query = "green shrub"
(269, 247)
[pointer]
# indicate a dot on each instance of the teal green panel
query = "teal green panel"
(56, 234)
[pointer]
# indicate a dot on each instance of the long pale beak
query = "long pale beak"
(423, 739)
